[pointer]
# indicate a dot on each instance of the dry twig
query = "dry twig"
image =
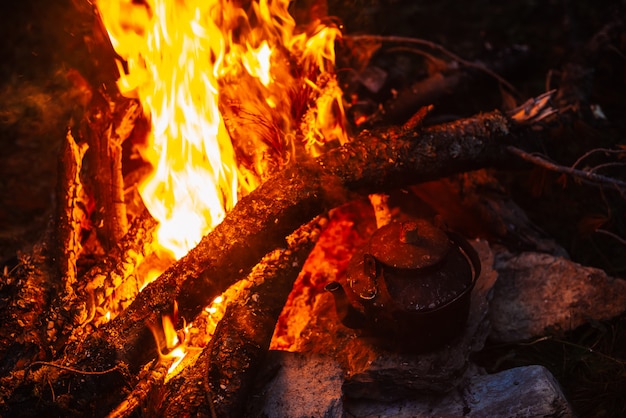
(586, 176)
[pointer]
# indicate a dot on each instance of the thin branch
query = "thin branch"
(593, 151)
(153, 377)
(73, 370)
(606, 165)
(571, 344)
(416, 51)
(437, 47)
(612, 235)
(590, 177)
(560, 341)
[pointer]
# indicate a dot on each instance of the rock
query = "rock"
(522, 392)
(538, 294)
(374, 373)
(302, 385)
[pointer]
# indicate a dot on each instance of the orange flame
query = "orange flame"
(231, 89)
(172, 346)
(186, 60)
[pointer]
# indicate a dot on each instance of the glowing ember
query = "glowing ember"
(208, 70)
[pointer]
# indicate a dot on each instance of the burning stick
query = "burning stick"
(115, 272)
(375, 161)
(105, 130)
(230, 363)
(69, 192)
(152, 376)
(260, 222)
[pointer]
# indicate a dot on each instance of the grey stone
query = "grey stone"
(523, 392)
(540, 294)
(301, 385)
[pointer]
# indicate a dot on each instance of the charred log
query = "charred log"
(374, 162)
(112, 274)
(105, 130)
(69, 212)
(230, 363)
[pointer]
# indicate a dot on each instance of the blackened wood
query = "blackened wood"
(105, 128)
(69, 212)
(459, 76)
(150, 378)
(374, 162)
(114, 273)
(229, 365)
(243, 336)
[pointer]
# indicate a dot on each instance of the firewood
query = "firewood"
(114, 273)
(230, 363)
(452, 73)
(152, 376)
(374, 162)
(69, 212)
(105, 128)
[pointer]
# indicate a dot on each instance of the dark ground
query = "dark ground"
(41, 45)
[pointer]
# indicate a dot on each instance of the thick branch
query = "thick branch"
(374, 162)
(228, 366)
(68, 212)
(105, 129)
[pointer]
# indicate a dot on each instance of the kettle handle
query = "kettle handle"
(377, 291)
(469, 251)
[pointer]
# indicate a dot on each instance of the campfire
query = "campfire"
(241, 182)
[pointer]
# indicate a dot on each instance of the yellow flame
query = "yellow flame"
(171, 348)
(189, 61)
(231, 89)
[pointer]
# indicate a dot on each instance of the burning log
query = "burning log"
(259, 222)
(69, 189)
(113, 273)
(373, 162)
(105, 130)
(230, 363)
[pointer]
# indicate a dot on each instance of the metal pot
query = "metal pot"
(409, 288)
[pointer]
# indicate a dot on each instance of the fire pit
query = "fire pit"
(219, 152)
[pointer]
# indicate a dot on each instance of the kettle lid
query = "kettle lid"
(413, 244)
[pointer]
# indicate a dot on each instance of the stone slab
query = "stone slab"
(540, 294)
(298, 385)
(523, 392)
